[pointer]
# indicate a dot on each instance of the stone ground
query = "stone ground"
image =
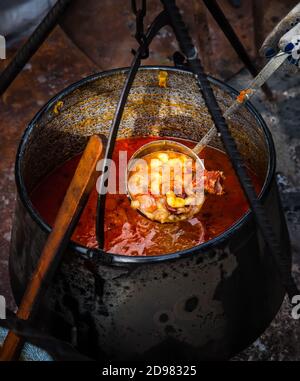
(281, 341)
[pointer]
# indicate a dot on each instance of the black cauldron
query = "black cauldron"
(208, 302)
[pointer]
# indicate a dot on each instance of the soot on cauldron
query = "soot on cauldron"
(134, 306)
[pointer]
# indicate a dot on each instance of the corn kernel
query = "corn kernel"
(175, 202)
(155, 163)
(164, 157)
(135, 204)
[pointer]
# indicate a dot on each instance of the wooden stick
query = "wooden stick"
(66, 220)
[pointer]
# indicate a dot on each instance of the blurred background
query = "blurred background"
(99, 35)
(19, 17)
(104, 29)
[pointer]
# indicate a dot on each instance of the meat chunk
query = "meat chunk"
(213, 182)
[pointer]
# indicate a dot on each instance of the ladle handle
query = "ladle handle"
(64, 225)
(207, 138)
(253, 86)
(212, 133)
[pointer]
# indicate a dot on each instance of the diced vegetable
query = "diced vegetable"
(168, 191)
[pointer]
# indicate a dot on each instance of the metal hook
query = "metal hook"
(142, 10)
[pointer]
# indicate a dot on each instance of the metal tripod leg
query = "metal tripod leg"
(235, 42)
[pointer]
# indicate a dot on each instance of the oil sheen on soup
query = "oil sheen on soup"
(127, 232)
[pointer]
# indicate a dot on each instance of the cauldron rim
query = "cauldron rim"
(123, 259)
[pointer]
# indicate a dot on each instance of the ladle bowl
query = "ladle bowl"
(158, 146)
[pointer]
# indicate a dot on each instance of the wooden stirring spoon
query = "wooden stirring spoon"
(75, 199)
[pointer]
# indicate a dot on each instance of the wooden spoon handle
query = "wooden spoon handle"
(75, 199)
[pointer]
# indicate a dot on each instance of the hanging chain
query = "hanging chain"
(140, 35)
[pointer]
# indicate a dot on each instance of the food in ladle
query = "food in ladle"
(169, 186)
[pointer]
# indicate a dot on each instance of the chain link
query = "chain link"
(140, 36)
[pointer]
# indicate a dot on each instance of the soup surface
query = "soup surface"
(127, 232)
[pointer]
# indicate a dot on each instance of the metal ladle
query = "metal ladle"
(161, 146)
(245, 95)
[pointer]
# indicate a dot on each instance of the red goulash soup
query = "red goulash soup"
(127, 232)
